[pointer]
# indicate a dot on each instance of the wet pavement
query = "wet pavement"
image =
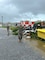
(41, 45)
(37, 43)
(12, 49)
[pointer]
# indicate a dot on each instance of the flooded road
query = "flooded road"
(12, 49)
(37, 43)
(41, 45)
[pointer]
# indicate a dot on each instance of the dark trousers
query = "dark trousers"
(20, 36)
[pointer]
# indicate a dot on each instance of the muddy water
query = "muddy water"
(41, 45)
(37, 43)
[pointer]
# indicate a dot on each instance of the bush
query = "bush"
(15, 33)
(34, 35)
(14, 29)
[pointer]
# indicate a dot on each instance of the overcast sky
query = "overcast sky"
(18, 10)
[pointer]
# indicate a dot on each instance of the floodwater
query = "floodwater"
(41, 45)
(37, 43)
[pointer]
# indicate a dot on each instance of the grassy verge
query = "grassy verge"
(2, 26)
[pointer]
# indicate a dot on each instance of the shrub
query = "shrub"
(34, 35)
(14, 29)
(15, 33)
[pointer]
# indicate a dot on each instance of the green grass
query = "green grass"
(3, 26)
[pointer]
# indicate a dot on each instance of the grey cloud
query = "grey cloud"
(21, 9)
(34, 6)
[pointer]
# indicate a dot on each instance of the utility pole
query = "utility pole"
(2, 20)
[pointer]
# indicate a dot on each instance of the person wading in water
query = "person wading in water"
(20, 33)
(8, 30)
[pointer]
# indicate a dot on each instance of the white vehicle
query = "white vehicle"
(28, 30)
